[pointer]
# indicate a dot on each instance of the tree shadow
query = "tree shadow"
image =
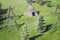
(20, 26)
(34, 37)
(46, 28)
(17, 27)
(1, 28)
(2, 12)
(53, 31)
(2, 19)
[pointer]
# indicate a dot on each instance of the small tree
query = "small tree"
(26, 34)
(41, 23)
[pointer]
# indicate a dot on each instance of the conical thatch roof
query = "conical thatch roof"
(30, 11)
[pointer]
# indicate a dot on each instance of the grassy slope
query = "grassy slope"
(20, 7)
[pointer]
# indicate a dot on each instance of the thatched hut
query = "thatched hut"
(30, 11)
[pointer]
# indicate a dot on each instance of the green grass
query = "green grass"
(19, 7)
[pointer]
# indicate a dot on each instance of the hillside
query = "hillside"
(19, 8)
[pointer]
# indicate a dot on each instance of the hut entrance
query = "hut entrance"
(33, 14)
